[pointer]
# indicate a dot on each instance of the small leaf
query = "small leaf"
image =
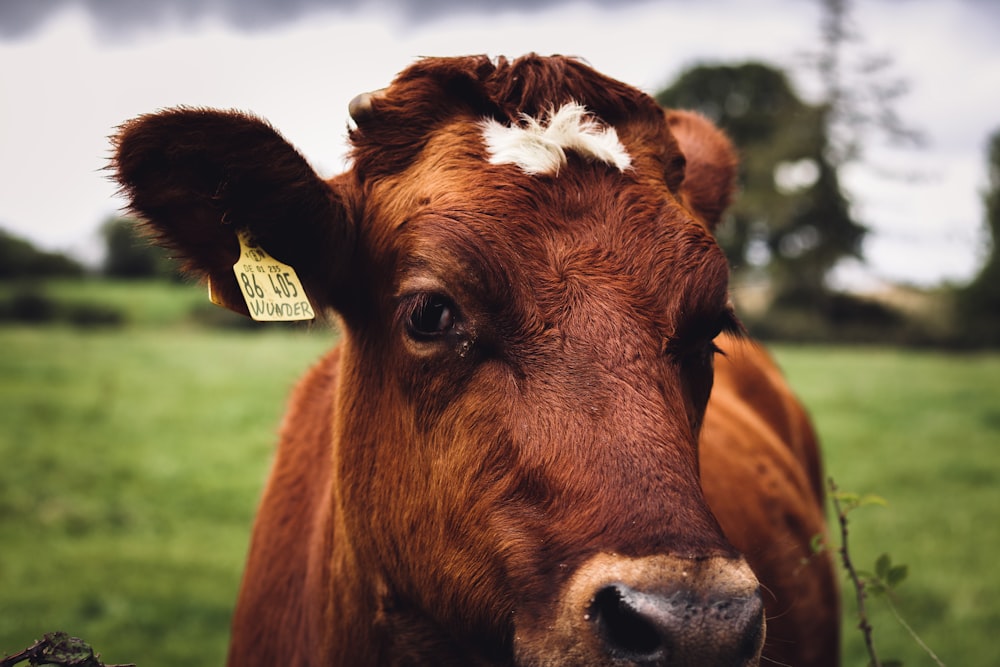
(872, 499)
(882, 566)
(817, 544)
(897, 574)
(846, 498)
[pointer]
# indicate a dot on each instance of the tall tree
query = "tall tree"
(793, 218)
(979, 302)
(858, 91)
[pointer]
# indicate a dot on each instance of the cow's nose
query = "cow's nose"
(651, 611)
(682, 627)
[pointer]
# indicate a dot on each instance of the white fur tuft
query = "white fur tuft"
(540, 148)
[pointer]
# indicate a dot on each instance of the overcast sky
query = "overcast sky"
(71, 70)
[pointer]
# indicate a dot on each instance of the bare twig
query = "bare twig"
(60, 650)
(12, 660)
(859, 585)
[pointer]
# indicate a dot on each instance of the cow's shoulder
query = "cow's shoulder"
(747, 376)
(762, 478)
(757, 440)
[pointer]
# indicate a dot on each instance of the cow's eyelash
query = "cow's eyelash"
(701, 338)
(730, 324)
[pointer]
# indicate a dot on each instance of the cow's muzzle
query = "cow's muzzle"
(654, 611)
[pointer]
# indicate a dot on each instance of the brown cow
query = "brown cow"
(499, 464)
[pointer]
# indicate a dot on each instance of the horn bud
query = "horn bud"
(362, 107)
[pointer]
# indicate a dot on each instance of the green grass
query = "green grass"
(921, 430)
(133, 459)
(146, 302)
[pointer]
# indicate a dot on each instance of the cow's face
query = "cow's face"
(529, 304)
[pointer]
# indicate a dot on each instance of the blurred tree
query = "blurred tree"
(859, 92)
(979, 302)
(131, 255)
(20, 259)
(792, 221)
(791, 217)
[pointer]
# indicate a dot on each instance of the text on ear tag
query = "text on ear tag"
(272, 289)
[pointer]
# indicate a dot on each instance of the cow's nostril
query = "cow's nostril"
(626, 631)
(680, 626)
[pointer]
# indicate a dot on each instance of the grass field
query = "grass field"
(133, 458)
(923, 431)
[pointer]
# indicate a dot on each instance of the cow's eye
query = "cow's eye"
(431, 316)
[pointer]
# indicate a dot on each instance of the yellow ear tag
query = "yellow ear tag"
(272, 290)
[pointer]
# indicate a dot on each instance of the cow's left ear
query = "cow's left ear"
(199, 179)
(711, 162)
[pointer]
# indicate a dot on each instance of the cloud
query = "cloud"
(20, 18)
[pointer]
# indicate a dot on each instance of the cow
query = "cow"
(543, 438)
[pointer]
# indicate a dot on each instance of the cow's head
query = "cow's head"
(522, 260)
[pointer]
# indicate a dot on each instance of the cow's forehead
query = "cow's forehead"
(577, 169)
(536, 182)
(548, 169)
(531, 107)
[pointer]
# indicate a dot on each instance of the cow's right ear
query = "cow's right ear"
(199, 179)
(711, 163)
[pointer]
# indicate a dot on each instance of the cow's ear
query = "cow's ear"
(199, 179)
(710, 170)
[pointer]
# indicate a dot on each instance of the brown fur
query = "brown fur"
(433, 496)
(762, 478)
